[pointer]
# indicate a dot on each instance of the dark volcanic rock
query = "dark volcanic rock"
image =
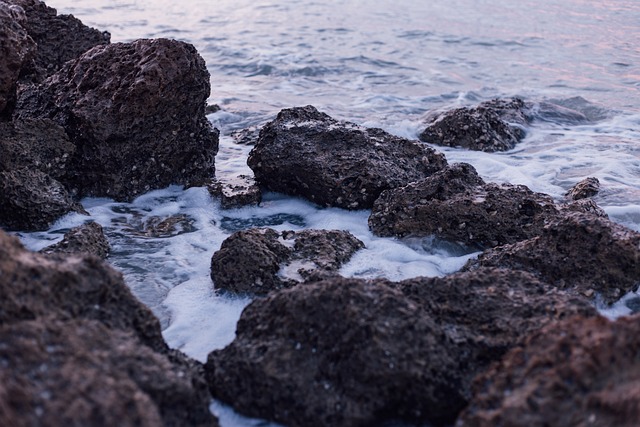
(586, 188)
(456, 204)
(581, 251)
(135, 112)
(32, 200)
(260, 260)
(494, 125)
(87, 238)
(60, 38)
(17, 49)
(348, 352)
(304, 152)
(580, 372)
(236, 192)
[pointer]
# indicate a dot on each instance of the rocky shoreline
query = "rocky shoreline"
(513, 339)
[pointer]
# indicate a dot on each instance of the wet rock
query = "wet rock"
(248, 136)
(167, 227)
(36, 144)
(59, 38)
(581, 251)
(456, 204)
(260, 260)
(32, 200)
(135, 112)
(87, 238)
(577, 372)
(569, 111)
(584, 189)
(304, 152)
(495, 125)
(584, 206)
(236, 192)
(349, 352)
(17, 49)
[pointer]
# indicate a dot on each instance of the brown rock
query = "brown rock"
(586, 188)
(87, 238)
(236, 192)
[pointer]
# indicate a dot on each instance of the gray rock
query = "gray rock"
(87, 238)
(584, 189)
(236, 192)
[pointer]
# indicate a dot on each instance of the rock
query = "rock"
(17, 49)
(456, 204)
(260, 260)
(350, 352)
(584, 189)
(304, 152)
(236, 192)
(569, 111)
(495, 125)
(584, 206)
(31, 200)
(87, 238)
(135, 112)
(60, 38)
(578, 250)
(578, 372)
(248, 136)
(35, 144)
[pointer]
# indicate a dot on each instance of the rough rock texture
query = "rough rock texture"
(349, 352)
(494, 125)
(37, 144)
(580, 372)
(32, 200)
(236, 192)
(582, 251)
(77, 345)
(456, 204)
(60, 38)
(135, 112)
(304, 152)
(87, 238)
(260, 260)
(586, 188)
(17, 49)
(247, 136)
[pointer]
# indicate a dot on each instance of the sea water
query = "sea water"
(377, 63)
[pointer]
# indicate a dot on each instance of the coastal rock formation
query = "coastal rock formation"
(236, 192)
(32, 200)
(584, 189)
(352, 352)
(260, 260)
(87, 238)
(456, 204)
(495, 125)
(304, 152)
(577, 372)
(589, 253)
(135, 112)
(17, 49)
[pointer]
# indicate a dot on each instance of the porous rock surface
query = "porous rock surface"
(87, 238)
(304, 152)
(495, 125)
(579, 372)
(584, 189)
(135, 113)
(582, 251)
(236, 192)
(260, 260)
(350, 352)
(456, 204)
(79, 349)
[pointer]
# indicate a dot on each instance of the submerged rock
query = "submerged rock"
(349, 352)
(87, 238)
(495, 125)
(236, 192)
(260, 260)
(577, 372)
(584, 189)
(135, 112)
(456, 204)
(304, 152)
(581, 251)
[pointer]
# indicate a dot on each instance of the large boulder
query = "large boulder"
(135, 112)
(456, 204)
(87, 238)
(259, 260)
(495, 125)
(304, 152)
(582, 251)
(350, 352)
(580, 372)
(17, 49)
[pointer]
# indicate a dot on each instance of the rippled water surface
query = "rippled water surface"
(377, 63)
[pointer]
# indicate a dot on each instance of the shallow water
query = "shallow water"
(376, 63)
